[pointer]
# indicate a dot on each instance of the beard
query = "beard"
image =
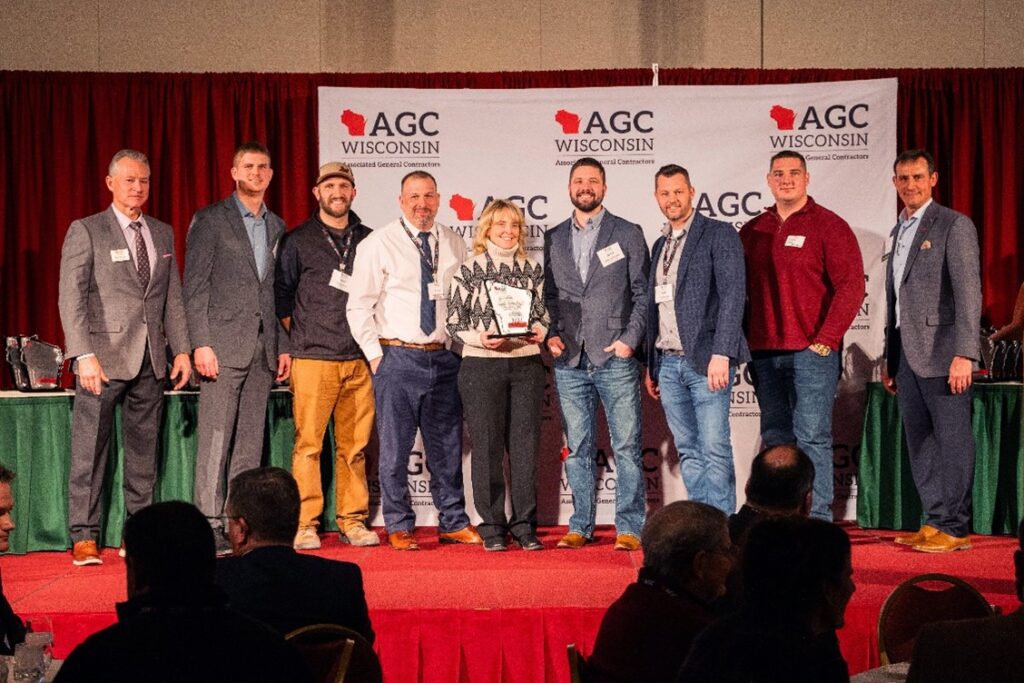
(586, 201)
(329, 209)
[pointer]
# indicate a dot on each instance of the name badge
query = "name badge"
(119, 255)
(610, 254)
(795, 241)
(662, 293)
(434, 291)
(339, 280)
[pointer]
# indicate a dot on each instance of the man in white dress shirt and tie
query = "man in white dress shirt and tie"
(396, 311)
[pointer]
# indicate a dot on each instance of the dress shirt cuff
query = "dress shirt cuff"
(372, 350)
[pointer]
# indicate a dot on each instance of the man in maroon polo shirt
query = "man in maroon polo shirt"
(805, 284)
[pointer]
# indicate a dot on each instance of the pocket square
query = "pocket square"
(170, 255)
(926, 245)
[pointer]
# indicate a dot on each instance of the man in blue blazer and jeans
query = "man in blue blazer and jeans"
(695, 341)
(595, 288)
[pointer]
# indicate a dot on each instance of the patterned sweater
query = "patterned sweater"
(469, 307)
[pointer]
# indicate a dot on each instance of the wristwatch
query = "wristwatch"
(821, 349)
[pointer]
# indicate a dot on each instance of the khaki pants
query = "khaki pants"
(321, 388)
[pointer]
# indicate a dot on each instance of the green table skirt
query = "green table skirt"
(35, 439)
(886, 495)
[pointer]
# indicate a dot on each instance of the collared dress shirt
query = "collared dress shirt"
(256, 228)
(129, 236)
(384, 290)
(668, 327)
(584, 239)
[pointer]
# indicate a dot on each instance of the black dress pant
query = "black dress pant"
(502, 400)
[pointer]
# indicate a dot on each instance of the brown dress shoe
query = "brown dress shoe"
(943, 543)
(627, 542)
(918, 537)
(84, 553)
(403, 540)
(467, 535)
(573, 540)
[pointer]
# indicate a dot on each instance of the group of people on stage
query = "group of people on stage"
(399, 324)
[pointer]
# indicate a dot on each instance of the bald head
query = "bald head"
(781, 478)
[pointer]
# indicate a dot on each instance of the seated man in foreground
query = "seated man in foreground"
(780, 483)
(175, 625)
(647, 632)
(974, 649)
(12, 630)
(266, 579)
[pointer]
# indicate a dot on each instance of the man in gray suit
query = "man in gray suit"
(239, 346)
(595, 288)
(933, 296)
(120, 306)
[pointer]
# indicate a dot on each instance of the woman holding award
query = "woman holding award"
(496, 309)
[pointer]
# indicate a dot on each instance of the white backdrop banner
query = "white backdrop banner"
(519, 144)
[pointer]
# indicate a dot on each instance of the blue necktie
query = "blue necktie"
(428, 311)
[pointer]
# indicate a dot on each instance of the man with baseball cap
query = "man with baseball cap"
(329, 373)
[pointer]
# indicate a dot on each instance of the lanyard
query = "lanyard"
(419, 249)
(669, 256)
(346, 246)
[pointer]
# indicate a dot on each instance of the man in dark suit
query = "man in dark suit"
(695, 341)
(595, 288)
(933, 312)
(986, 649)
(120, 305)
(239, 346)
(266, 579)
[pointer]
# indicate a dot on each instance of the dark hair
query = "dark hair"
(253, 147)
(669, 170)
(587, 161)
(419, 175)
(788, 154)
(267, 498)
(787, 565)
(912, 155)
(674, 535)
(170, 545)
(6, 475)
(780, 477)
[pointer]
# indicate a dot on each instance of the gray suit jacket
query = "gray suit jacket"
(611, 304)
(711, 290)
(103, 309)
(940, 294)
(226, 302)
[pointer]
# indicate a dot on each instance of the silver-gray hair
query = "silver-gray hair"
(132, 154)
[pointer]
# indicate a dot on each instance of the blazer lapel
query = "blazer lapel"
(117, 237)
(238, 227)
(689, 246)
(919, 238)
(161, 264)
(604, 238)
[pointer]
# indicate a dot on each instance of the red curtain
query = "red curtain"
(59, 130)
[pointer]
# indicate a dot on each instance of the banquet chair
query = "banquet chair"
(923, 600)
(336, 654)
(578, 670)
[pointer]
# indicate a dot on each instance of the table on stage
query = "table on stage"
(886, 496)
(35, 442)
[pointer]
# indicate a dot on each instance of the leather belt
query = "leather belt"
(432, 346)
(672, 352)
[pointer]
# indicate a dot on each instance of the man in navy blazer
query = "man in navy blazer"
(696, 294)
(266, 579)
(933, 314)
(595, 288)
(240, 346)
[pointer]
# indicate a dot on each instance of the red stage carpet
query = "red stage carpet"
(452, 614)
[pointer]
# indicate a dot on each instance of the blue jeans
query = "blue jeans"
(617, 384)
(796, 391)
(699, 420)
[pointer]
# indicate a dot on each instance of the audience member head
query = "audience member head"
(781, 481)
(262, 509)
(6, 506)
(168, 548)
(1018, 561)
(686, 544)
(797, 574)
